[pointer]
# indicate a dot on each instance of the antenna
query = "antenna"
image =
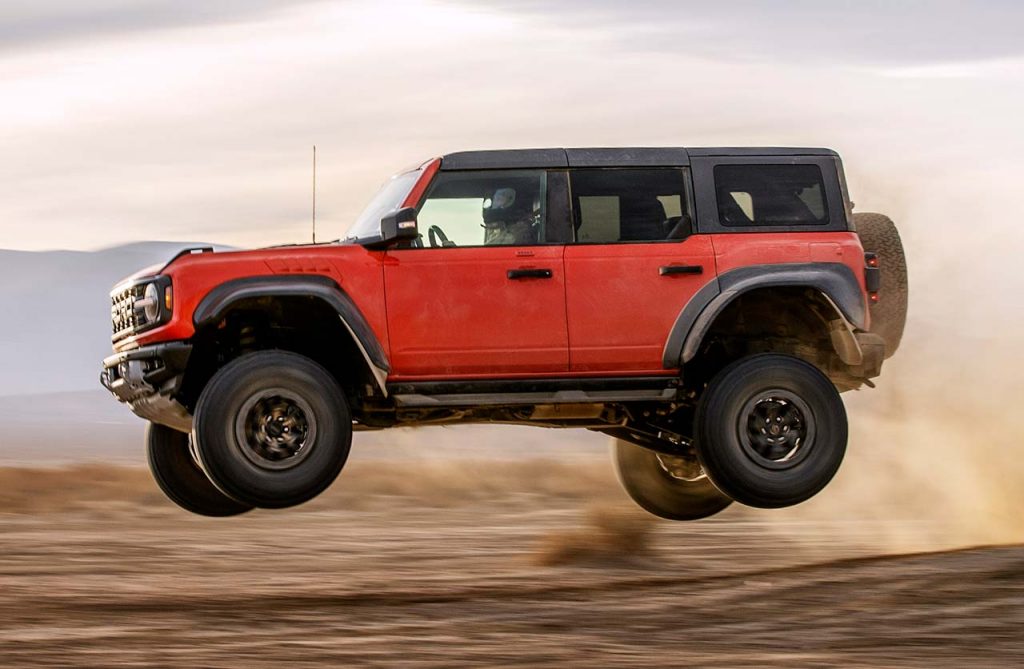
(314, 193)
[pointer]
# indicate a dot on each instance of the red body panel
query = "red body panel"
(621, 309)
(429, 168)
(357, 270)
(455, 312)
(771, 248)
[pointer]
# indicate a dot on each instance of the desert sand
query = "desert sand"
(537, 562)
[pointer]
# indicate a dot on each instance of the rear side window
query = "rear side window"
(770, 195)
(629, 205)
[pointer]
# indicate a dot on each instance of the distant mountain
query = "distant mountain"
(55, 310)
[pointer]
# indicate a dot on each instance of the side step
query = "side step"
(441, 394)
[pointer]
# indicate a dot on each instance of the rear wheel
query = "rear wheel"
(272, 429)
(771, 430)
(180, 478)
(878, 235)
(666, 486)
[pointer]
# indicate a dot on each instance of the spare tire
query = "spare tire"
(878, 235)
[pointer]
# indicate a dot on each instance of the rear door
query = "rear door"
(634, 265)
(485, 294)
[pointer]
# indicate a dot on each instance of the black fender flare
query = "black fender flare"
(213, 307)
(835, 281)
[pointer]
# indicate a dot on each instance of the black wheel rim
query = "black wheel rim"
(776, 429)
(275, 429)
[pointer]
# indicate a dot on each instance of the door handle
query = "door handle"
(666, 270)
(529, 274)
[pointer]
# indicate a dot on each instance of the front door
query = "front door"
(484, 293)
(633, 267)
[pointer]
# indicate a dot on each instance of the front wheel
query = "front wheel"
(665, 486)
(180, 478)
(771, 430)
(272, 429)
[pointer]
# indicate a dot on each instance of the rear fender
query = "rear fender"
(836, 281)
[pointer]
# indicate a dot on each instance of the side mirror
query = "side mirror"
(399, 224)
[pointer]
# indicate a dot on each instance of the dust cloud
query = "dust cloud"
(935, 457)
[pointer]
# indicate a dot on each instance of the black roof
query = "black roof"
(609, 157)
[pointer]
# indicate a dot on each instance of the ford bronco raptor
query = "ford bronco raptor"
(703, 307)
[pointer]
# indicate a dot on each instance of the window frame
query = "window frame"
(688, 203)
(551, 200)
(708, 220)
(754, 224)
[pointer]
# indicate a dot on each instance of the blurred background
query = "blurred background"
(129, 129)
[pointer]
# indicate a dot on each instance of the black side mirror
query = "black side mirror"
(399, 224)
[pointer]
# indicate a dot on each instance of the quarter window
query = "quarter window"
(629, 205)
(492, 208)
(770, 195)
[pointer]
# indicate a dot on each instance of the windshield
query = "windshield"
(388, 198)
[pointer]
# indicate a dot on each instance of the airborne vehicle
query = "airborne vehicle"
(703, 307)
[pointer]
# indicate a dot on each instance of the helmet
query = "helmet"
(504, 207)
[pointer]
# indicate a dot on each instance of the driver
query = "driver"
(510, 220)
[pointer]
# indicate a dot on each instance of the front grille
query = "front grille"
(124, 319)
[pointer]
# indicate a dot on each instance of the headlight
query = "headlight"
(151, 303)
(148, 304)
(140, 305)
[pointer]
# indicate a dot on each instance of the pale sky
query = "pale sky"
(193, 120)
(126, 120)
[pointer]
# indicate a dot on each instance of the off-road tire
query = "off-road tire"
(732, 422)
(656, 491)
(878, 235)
(229, 458)
(179, 477)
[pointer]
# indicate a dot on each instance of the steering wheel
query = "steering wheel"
(434, 233)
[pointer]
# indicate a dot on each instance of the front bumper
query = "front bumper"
(147, 380)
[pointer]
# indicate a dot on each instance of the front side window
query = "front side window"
(629, 205)
(488, 208)
(770, 195)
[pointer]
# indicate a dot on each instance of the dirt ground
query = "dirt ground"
(531, 563)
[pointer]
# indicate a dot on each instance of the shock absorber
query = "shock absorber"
(246, 338)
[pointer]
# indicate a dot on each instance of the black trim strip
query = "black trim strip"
(511, 392)
(660, 156)
(528, 399)
(669, 270)
(544, 385)
(672, 355)
(873, 279)
(505, 159)
(529, 274)
(629, 157)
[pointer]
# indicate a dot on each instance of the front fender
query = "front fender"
(213, 307)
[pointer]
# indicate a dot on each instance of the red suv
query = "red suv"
(704, 307)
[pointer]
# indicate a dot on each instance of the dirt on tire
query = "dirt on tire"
(878, 235)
